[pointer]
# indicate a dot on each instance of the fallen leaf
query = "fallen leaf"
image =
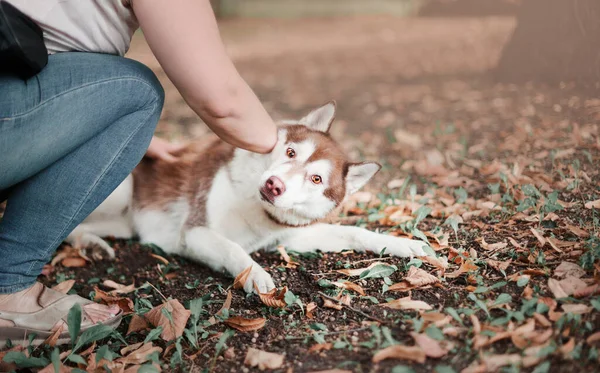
(160, 259)
(289, 262)
(226, 305)
(500, 266)
(64, 286)
(418, 277)
(571, 285)
(119, 288)
(577, 231)
(358, 271)
(350, 286)
(273, 298)
(593, 204)
(73, 262)
(309, 309)
(576, 308)
(539, 236)
(430, 346)
(400, 352)
(139, 355)
(52, 339)
(493, 363)
(136, 324)
(173, 327)
(557, 290)
(245, 325)
(328, 303)
(440, 263)
(123, 303)
(465, 267)
(593, 338)
(263, 359)
(565, 269)
(587, 291)
(567, 348)
(406, 303)
(320, 347)
(241, 278)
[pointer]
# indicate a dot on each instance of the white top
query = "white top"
(103, 26)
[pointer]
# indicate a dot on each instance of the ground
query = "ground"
(501, 179)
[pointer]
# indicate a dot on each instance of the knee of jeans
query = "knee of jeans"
(149, 82)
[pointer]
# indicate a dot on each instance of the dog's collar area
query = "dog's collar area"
(274, 219)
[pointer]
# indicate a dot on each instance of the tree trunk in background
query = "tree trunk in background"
(554, 41)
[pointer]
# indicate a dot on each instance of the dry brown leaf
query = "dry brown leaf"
(587, 291)
(430, 346)
(565, 269)
(53, 338)
(418, 277)
(406, 303)
(358, 271)
(309, 309)
(64, 286)
(320, 347)
(123, 303)
(465, 267)
(263, 359)
(160, 259)
(440, 263)
(493, 363)
(50, 368)
(571, 285)
(567, 348)
(556, 289)
(245, 325)
(273, 298)
(140, 355)
(539, 236)
(73, 262)
(350, 286)
(119, 288)
(179, 315)
(593, 204)
(400, 352)
(500, 266)
(576, 308)
(593, 338)
(401, 286)
(328, 303)
(226, 305)
(136, 324)
(241, 278)
(578, 231)
(289, 262)
(542, 320)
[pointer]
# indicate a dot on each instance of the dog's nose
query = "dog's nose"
(275, 186)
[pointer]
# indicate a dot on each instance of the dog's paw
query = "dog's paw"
(405, 247)
(261, 278)
(92, 245)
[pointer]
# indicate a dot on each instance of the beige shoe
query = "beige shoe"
(53, 314)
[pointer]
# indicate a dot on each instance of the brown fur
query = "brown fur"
(158, 183)
(328, 149)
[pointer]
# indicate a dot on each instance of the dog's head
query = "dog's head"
(309, 175)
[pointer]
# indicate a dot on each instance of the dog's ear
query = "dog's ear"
(359, 174)
(320, 119)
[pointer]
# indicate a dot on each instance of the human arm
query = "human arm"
(184, 37)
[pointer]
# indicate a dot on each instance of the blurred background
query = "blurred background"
(421, 85)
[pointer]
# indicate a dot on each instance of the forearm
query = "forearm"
(184, 37)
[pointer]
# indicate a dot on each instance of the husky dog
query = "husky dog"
(217, 204)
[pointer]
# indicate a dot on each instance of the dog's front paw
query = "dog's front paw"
(405, 247)
(261, 278)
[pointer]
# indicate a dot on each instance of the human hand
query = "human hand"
(163, 150)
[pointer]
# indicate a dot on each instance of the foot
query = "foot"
(41, 310)
(261, 278)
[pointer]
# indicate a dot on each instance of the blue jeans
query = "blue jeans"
(68, 137)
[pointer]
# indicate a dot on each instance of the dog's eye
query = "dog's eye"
(316, 179)
(291, 153)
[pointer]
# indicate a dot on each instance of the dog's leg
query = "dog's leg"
(328, 237)
(219, 253)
